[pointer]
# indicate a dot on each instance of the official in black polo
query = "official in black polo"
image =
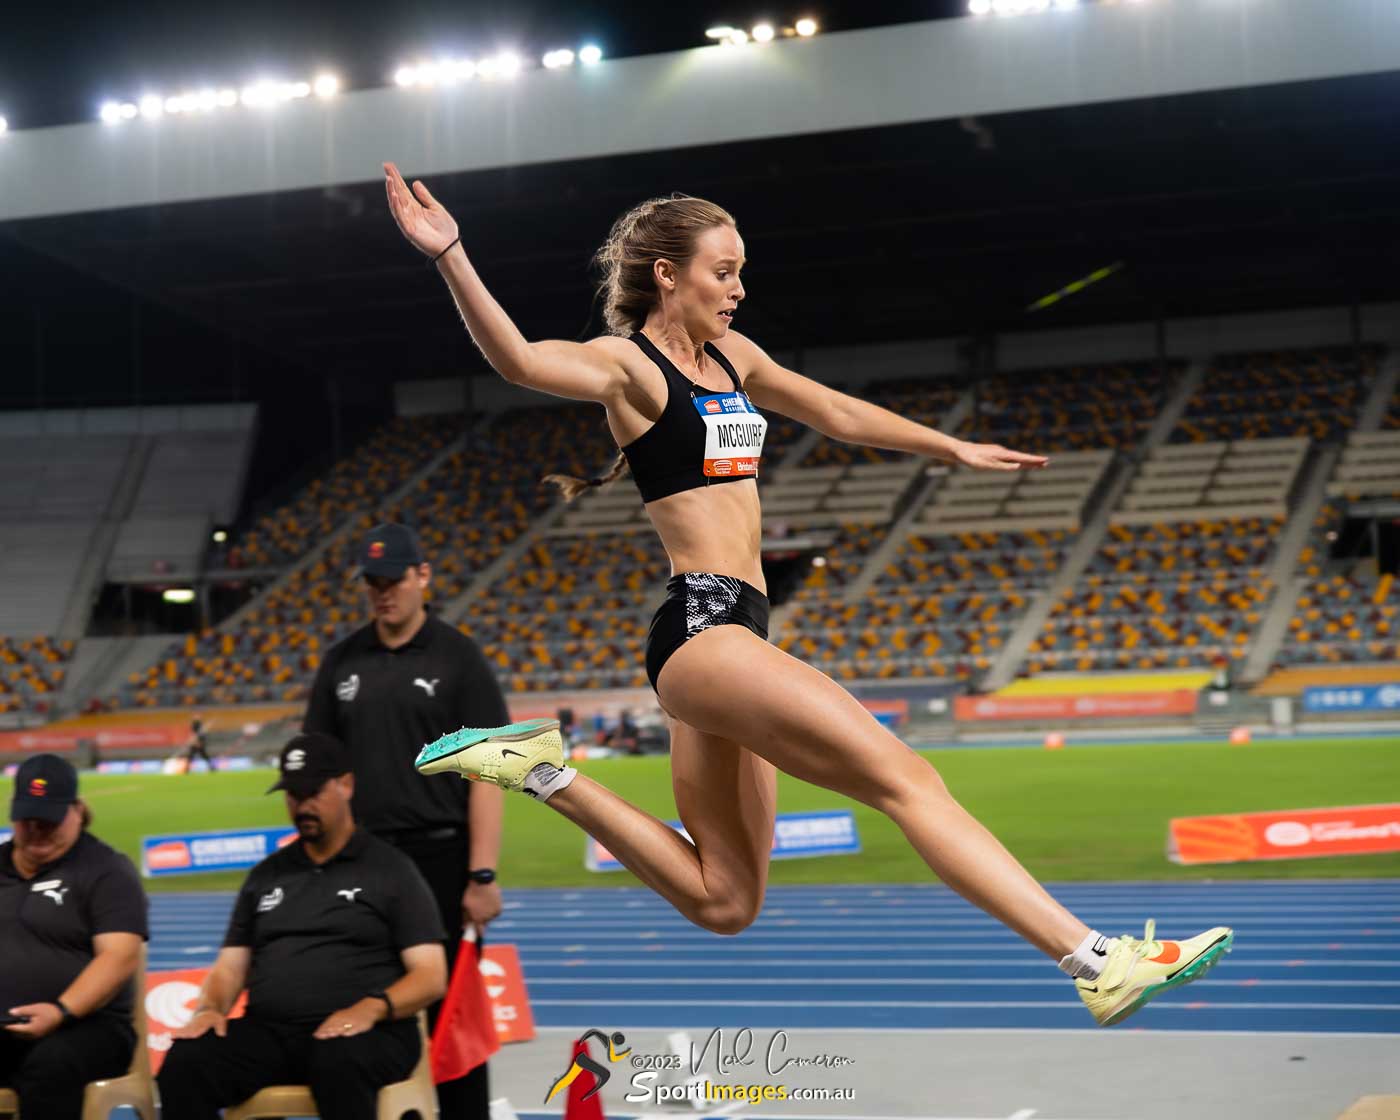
(339, 944)
(399, 682)
(72, 920)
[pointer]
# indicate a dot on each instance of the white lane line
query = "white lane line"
(1036, 961)
(904, 981)
(1322, 916)
(1009, 943)
(1087, 1032)
(892, 1003)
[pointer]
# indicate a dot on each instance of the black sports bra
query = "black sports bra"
(702, 437)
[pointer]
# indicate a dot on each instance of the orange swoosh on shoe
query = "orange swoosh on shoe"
(1170, 954)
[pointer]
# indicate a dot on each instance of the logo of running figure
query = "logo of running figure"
(585, 1062)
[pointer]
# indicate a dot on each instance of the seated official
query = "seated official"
(339, 943)
(72, 920)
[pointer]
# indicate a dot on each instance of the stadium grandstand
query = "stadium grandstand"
(1064, 228)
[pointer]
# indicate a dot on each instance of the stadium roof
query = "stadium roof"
(1227, 199)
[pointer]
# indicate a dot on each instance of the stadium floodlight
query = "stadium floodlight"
(590, 54)
(806, 27)
(763, 33)
(174, 105)
(1066, 5)
(508, 64)
(979, 7)
(4, 126)
(1008, 7)
(151, 106)
(226, 98)
(326, 85)
(557, 60)
(206, 100)
(406, 76)
(1037, 5)
(720, 34)
(178, 595)
(220, 535)
(296, 89)
(129, 111)
(111, 112)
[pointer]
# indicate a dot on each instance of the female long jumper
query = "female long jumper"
(683, 393)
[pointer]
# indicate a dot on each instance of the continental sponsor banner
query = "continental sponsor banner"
(1290, 834)
(1110, 705)
(124, 737)
(505, 985)
(171, 996)
(38, 741)
(193, 852)
(891, 713)
(827, 833)
(154, 737)
(1353, 698)
(170, 999)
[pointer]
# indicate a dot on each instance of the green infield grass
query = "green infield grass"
(1085, 813)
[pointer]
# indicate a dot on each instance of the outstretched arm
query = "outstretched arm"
(581, 371)
(853, 420)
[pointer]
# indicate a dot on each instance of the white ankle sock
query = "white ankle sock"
(546, 779)
(1087, 961)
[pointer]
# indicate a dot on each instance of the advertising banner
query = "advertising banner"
(505, 985)
(38, 741)
(827, 833)
(1113, 705)
(171, 995)
(170, 998)
(191, 852)
(1353, 698)
(1289, 834)
(151, 737)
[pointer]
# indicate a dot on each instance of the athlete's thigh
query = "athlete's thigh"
(730, 682)
(727, 797)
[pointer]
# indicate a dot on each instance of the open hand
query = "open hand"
(420, 217)
(201, 1022)
(355, 1019)
(994, 457)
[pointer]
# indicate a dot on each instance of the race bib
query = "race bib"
(733, 434)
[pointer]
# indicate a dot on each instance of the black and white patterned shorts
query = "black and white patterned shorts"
(694, 602)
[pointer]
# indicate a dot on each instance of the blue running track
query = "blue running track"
(1308, 956)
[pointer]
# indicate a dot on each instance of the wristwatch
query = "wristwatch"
(482, 875)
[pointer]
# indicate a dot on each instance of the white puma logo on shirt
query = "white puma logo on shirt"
(349, 895)
(430, 687)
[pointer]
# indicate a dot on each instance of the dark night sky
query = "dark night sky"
(59, 61)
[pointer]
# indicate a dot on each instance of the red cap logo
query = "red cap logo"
(38, 787)
(376, 550)
(712, 406)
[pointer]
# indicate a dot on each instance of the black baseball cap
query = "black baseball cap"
(387, 552)
(308, 761)
(45, 786)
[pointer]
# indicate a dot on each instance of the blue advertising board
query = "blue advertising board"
(831, 832)
(1353, 698)
(191, 852)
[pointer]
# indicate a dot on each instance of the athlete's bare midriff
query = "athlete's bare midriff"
(711, 528)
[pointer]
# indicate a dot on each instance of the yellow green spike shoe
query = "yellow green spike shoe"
(499, 755)
(1137, 971)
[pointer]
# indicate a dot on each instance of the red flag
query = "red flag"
(577, 1108)
(466, 1030)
